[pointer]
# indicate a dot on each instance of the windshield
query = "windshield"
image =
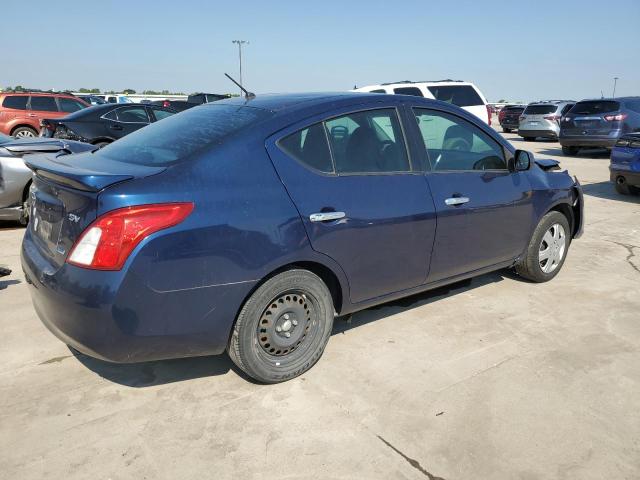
(460, 95)
(595, 107)
(179, 136)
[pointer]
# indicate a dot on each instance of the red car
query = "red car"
(21, 112)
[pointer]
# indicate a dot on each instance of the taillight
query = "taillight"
(488, 114)
(614, 118)
(554, 118)
(501, 114)
(109, 240)
(166, 103)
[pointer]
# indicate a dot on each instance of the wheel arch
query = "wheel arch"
(567, 210)
(24, 125)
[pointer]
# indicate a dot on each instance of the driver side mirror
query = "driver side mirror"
(521, 161)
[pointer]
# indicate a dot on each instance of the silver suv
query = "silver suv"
(542, 119)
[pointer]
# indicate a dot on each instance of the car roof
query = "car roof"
(616, 99)
(283, 101)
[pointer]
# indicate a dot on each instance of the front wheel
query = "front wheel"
(547, 249)
(570, 151)
(283, 328)
(25, 132)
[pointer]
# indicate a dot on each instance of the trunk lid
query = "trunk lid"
(64, 197)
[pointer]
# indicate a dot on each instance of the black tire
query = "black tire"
(529, 139)
(623, 188)
(24, 132)
(506, 130)
(289, 301)
(101, 144)
(569, 151)
(529, 266)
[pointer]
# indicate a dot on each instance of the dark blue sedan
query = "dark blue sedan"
(624, 167)
(248, 225)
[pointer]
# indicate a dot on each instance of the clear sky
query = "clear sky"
(518, 50)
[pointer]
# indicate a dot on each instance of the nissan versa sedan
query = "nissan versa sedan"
(249, 225)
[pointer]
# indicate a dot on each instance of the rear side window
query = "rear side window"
(460, 95)
(540, 109)
(133, 115)
(309, 146)
(377, 91)
(160, 114)
(179, 136)
(415, 91)
(44, 104)
(17, 102)
(595, 107)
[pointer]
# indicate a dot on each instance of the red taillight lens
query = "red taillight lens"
(501, 114)
(614, 118)
(552, 117)
(166, 103)
(109, 240)
(488, 114)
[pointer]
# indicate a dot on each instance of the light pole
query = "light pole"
(240, 43)
(615, 81)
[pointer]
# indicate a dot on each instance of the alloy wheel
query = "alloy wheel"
(552, 248)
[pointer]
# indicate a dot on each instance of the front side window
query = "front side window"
(133, 115)
(456, 144)
(44, 104)
(368, 142)
(16, 102)
(69, 105)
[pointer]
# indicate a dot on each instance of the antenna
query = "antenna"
(247, 93)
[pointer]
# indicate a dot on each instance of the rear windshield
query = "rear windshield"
(460, 95)
(595, 107)
(510, 108)
(178, 136)
(540, 109)
(408, 91)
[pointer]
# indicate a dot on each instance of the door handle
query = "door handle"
(31, 115)
(326, 216)
(453, 201)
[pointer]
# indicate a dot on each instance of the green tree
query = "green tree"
(129, 91)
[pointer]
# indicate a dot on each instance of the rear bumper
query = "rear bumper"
(511, 125)
(115, 316)
(587, 141)
(11, 213)
(630, 177)
(537, 133)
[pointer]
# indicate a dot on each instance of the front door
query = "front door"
(130, 119)
(362, 200)
(484, 210)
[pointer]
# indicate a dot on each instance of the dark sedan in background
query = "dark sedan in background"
(598, 123)
(509, 117)
(625, 164)
(103, 124)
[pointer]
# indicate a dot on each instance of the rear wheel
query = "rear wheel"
(624, 188)
(24, 132)
(547, 249)
(283, 328)
(101, 144)
(569, 151)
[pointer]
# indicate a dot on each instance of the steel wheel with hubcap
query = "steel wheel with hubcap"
(552, 248)
(547, 249)
(283, 327)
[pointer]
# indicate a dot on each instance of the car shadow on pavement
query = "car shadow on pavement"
(372, 314)
(162, 372)
(5, 283)
(601, 153)
(607, 190)
(147, 374)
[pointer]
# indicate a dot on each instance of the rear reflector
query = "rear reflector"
(613, 118)
(109, 240)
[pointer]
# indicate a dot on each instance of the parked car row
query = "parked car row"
(595, 123)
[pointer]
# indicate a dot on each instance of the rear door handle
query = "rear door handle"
(326, 216)
(453, 201)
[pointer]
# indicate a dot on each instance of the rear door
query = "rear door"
(484, 211)
(593, 117)
(363, 200)
(465, 96)
(13, 112)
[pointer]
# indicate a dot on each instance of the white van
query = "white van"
(457, 92)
